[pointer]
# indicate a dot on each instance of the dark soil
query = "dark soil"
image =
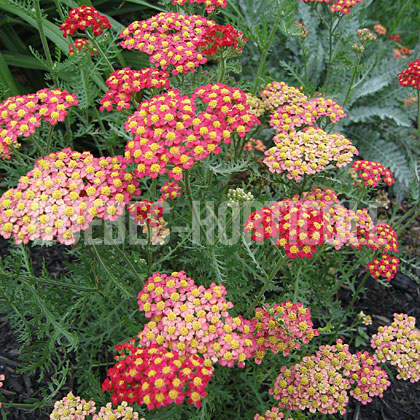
(401, 401)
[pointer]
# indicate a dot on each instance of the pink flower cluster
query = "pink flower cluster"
(384, 266)
(399, 344)
(167, 130)
(272, 414)
(255, 144)
(170, 39)
(84, 17)
(157, 377)
(21, 115)
(371, 380)
(2, 378)
(122, 83)
(210, 4)
(63, 193)
(321, 382)
(122, 412)
(342, 6)
(170, 190)
(295, 225)
(81, 44)
(281, 328)
(276, 94)
(72, 408)
(308, 152)
(372, 173)
(149, 215)
(191, 320)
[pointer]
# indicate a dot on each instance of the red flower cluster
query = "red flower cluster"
(281, 328)
(63, 193)
(373, 173)
(342, 6)
(84, 17)
(167, 130)
(191, 320)
(21, 115)
(371, 380)
(399, 344)
(81, 44)
(149, 214)
(170, 189)
(411, 76)
(156, 377)
(321, 382)
(386, 237)
(384, 266)
(396, 38)
(171, 39)
(296, 225)
(210, 4)
(220, 38)
(122, 83)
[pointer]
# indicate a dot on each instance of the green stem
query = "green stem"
(188, 193)
(49, 139)
(45, 42)
(302, 46)
(416, 212)
(353, 76)
(355, 296)
(264, 54)
(266, 285)
(295, 294)
(101, 53)
(117, 283)
(222, 67)
(227, 225)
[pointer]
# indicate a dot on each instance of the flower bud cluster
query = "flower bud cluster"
(237, 196)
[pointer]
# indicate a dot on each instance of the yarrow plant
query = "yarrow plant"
(84, 17)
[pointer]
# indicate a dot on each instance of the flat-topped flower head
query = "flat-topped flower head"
(276, 94)
(122, 411)
(224, 39)
(370, 380)
(295, 225)
(72, 407)
(318, 383)
(399, 344)
(372, 173)
(411, 75)
(342, 6)
(379, 29)
(170, 135)
(255, 145)
(170, 39)
(22, 115)
(82, 18)
(63, 193)
(170, 190)
(156, 377)
(385, 266)
(308, 152)
(281, 328)
(192, 320)
(122, 83)
(210, 4)
(273, 414)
